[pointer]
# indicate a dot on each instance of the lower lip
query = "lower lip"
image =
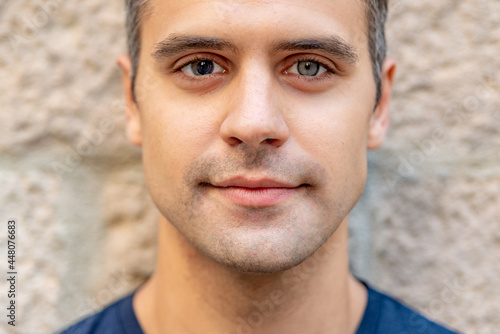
(257, 196)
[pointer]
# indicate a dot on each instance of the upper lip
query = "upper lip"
(245, 182)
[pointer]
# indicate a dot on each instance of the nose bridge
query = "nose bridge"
(254, 88)
(254, 116)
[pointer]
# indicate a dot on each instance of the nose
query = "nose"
(254, 117)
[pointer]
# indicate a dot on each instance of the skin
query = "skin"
(255, 117)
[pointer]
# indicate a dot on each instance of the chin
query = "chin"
(261, 266)
(263, 252)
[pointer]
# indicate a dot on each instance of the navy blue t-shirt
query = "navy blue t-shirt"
(383, 315)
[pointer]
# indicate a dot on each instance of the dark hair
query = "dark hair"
(376, 16)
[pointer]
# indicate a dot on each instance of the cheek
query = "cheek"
(175, 132)
(335, 135)
(333, 130)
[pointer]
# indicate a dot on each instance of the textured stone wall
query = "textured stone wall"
(427, 228)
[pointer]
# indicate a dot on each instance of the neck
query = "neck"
(190, 293)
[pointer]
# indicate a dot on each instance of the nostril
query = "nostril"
(234, 141)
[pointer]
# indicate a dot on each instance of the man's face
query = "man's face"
(254, 118)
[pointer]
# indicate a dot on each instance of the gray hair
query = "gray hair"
(376, 17)
(135, 12)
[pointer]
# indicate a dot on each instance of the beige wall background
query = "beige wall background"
(427, 228)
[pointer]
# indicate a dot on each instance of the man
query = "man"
(254, 118)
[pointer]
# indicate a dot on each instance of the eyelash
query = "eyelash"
(194, 59)
(329, 70)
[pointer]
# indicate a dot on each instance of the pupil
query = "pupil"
(308, 68)
(204, 67)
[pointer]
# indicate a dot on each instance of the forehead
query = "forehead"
(252, 21)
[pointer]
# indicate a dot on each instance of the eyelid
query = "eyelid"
(188, 69)
(179, 65)
(330, 67)
(294, 69)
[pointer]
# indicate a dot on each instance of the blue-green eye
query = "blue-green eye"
(202, 67)
(307, 68)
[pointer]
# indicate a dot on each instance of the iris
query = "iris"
(308, 68)
(203, 67)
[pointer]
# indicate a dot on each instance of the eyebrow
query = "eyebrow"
(175, 44)
(333, 45)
